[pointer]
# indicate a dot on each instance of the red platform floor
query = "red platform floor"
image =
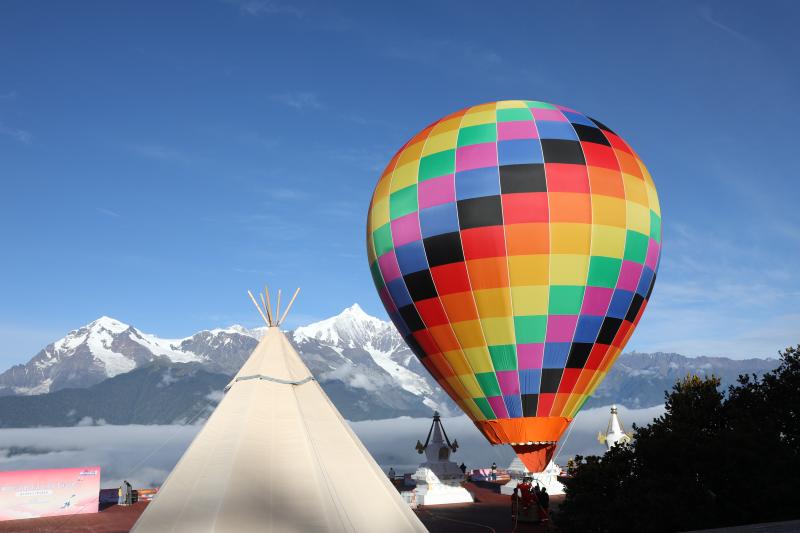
(490, 512)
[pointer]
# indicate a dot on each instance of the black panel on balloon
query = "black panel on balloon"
(480, 212)
(551, 378)
(601, 125)
(420, 285)
(411, 317)
(529, 404)
(443, 249)
(590, 134)
(416, 347)
(522, 178)
(609, 330)
(561, 151)
(650, 290)
(633, 310)
(578, 354)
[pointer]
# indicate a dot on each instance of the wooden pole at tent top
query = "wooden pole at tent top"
(288, 307)
(264, 303)
(269, 304)
(260, 312)
(278, 306)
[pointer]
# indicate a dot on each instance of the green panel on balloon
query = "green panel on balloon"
(539, 105)
(565, 299)
(382, 239)
(636, 246)
(485, 133)
(488, 383)
(377, 278)
(530, 329)
(504, 356)
(655, 226)
(486, 409)
(403, 202)
(604, 271)
(514, 114)
(438, 164)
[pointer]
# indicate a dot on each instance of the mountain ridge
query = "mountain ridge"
(360, 360)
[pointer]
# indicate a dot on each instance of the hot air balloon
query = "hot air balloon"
(515, 245)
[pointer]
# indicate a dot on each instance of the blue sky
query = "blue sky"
(158, 159)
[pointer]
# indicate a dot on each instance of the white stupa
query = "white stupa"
(548, 478)
(438, 478)
(615, 433)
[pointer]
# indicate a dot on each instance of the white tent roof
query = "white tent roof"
(274, 456)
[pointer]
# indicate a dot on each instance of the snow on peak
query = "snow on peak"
(238, 329)
(356, 312)
(350, 326)
(109, 324)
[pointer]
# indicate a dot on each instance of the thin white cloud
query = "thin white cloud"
(23, 136)
(299, 100)
(706, 14)
(262, 8)
(160, 153)
(107, 212)
(283, 193)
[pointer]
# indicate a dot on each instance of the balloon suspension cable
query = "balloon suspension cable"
(569, 431)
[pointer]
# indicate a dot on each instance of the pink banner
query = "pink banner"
(36, 493)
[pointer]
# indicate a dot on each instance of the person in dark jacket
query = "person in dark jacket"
(544, 499)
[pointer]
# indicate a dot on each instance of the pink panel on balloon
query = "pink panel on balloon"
(389, 267)
(476, 156)
(509, 381)
(530, 356)
(522, 129)
(548, 114)
(629, 275)
(406, 229)
(498, 406)
(596, 300)
(437, 191)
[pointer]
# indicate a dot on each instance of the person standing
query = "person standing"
(391, 473)
(544, 499)
(494, 471)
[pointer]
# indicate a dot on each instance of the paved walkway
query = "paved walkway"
(490, 512)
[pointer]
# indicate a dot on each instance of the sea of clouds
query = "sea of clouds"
(144, 455)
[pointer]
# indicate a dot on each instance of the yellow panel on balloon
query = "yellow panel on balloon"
(608, 241)
(479, 359)
(569, 269)
(529, 269)
(530, 299)
(498, 330)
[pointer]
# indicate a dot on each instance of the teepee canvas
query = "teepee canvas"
(275, 456)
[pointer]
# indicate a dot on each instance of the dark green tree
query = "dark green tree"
(712, 459)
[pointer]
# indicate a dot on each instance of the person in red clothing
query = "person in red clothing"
(523, 494)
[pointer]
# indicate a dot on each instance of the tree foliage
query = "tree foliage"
(712, 459)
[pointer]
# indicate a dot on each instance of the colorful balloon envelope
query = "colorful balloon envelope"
(515, 245)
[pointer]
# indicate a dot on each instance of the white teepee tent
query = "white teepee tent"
(276, 456)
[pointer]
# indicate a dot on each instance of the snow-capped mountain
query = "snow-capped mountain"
(360, 361)
(356, 357)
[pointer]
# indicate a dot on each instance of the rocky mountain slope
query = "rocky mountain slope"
(360, 361)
